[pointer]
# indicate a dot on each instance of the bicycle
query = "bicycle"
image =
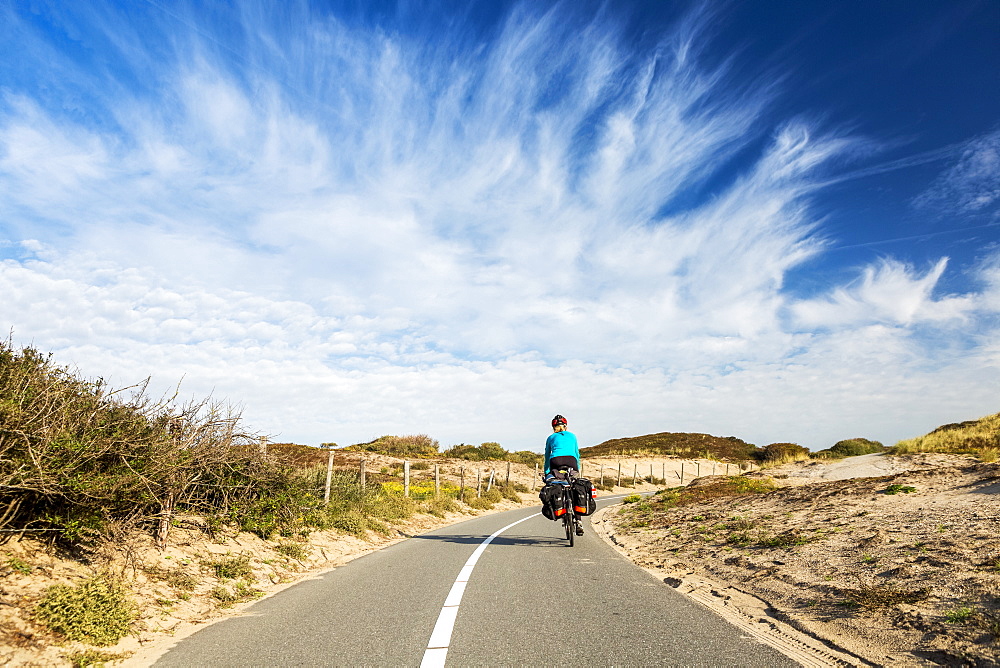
(570, 518)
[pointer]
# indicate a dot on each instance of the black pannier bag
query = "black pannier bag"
(552, 501)
(584, 495)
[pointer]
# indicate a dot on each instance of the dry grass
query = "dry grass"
(975, 437)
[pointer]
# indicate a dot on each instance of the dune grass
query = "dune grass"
(975, 437)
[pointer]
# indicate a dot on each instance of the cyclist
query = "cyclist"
(561, 450)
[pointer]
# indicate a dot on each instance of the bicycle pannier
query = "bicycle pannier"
(552, 501)
(584, 494)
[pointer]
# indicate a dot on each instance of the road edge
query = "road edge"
(745, 611)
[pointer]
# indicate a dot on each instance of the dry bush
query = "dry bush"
(79, 460)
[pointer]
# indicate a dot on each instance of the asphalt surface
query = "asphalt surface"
(530, 600)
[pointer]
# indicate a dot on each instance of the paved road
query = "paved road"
(530, 599)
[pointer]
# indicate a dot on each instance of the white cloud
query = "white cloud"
(356, 233)
(973, 183)
(889, 293)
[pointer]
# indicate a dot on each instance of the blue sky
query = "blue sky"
(778, 221)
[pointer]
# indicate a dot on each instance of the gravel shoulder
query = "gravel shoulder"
(836, 560)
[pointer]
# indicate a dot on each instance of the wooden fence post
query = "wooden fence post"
(461, 484)
(635, 473)
(534, 481)
(663, 472)
(602, 475)
(263, 445)
(651, 473)
(362, 476)
(479, 483)
(406, 477)
(489, 485)
(508, 473)
(329, 473)
(166, 514)
(697, 473)
(682, 473)
(437, 481)
(619, 474)
(727, 468)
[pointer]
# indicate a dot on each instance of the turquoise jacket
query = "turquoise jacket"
(561, 444)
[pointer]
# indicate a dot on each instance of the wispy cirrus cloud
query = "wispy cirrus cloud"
(357, 230)
(972, 184)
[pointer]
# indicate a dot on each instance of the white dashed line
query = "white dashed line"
(437, 646)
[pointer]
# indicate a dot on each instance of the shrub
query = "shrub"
(509, 491)
(96, 611)
(632, 498)
(417, 445)
(293, 550)
(231, 567)
(178, 579)
(481, 503)
(77, 457)
(240, 591)
(441, 505)
(850, 447)
(686, 445)
(896, 488)
(783, 453)
(351, 522)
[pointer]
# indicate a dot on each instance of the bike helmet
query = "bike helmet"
(557, 420)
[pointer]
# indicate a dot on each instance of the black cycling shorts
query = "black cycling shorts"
(563, 462)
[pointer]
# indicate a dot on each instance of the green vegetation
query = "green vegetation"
(492, 451)
(974, 437)
(729, 486)
(294, 550)
(896, 488)
(631, 498)
(19, 566)
(881, 596)
(850, 447)
(785, 539)
(418, 445)
(239, 591)
(93, 657)
(231, 566)
(783, 453)
(959, 615)
(684, 445)
(79, 461)
(96, 611)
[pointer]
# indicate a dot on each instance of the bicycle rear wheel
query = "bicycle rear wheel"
(569, 523)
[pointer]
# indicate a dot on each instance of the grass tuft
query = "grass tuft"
(97, 611)
(879, 596)
(93, 658)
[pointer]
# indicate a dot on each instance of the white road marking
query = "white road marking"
(437, 646)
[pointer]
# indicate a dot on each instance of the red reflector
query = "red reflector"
(560, 512)
(579, 509)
